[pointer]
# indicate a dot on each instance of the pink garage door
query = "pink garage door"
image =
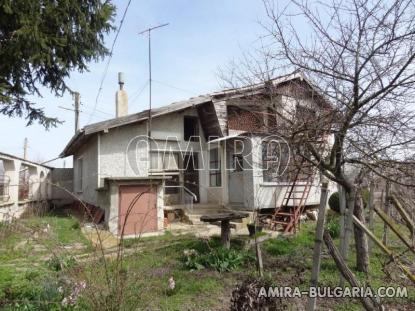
(137, 209)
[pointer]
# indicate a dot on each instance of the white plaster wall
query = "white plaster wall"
(89, 155)
(114, 144)
(271, 194)
(113, 151)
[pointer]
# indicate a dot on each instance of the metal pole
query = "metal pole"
(77, 96)
(149, 74)
(148, 30)
(25, 145)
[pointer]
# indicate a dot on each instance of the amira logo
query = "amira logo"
(145, 154)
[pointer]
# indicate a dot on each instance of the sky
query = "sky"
(203, 35)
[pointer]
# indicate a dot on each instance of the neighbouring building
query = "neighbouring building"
(199, 152)
(22, 183)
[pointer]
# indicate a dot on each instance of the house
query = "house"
(204, 151)
(22, 183)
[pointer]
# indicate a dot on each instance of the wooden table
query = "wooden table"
(224, 218)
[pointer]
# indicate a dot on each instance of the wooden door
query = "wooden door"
(137, 209)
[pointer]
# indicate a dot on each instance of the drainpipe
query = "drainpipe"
(99, 160)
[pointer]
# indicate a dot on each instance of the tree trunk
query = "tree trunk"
(362, 249)
(351, 198)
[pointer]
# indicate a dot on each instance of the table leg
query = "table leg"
(225, 233)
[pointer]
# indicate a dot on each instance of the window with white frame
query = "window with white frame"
(215, 174)
(275, 157)
(164, 162)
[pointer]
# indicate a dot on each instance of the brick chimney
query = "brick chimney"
(121, 98)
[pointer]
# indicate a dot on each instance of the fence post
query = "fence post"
(342, 206)
(311, 303)
(348, 223)
(371, 212)
(386, 207)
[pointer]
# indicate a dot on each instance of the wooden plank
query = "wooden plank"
(403, 213)
(225, 233)
(385, 249)
(368, 303)
(389, 222)
(318, 244)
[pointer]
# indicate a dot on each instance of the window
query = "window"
(79, 175)
(191, 129)
(215, 175)
(160, 161)
(275, 157)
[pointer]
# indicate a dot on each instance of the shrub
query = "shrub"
(334, 228)
(219, 259)
(56, 263)
(334, 202)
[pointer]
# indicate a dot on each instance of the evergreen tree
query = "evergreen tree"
(41, 42)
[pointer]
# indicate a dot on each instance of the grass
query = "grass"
(290, 245)
(25, 275)
(298, 249)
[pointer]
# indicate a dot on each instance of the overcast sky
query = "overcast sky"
(202, 36)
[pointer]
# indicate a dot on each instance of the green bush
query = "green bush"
(26, 295)
(219, 259)
(56, 263)
(333, 227)
(334, 202)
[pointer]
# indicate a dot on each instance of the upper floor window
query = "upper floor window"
(167, 161)
(191, 128)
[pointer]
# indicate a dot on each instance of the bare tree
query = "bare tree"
(358, 55)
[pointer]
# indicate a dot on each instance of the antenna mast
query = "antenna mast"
(149, 30)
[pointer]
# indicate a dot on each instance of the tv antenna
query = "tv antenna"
(149, 30)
